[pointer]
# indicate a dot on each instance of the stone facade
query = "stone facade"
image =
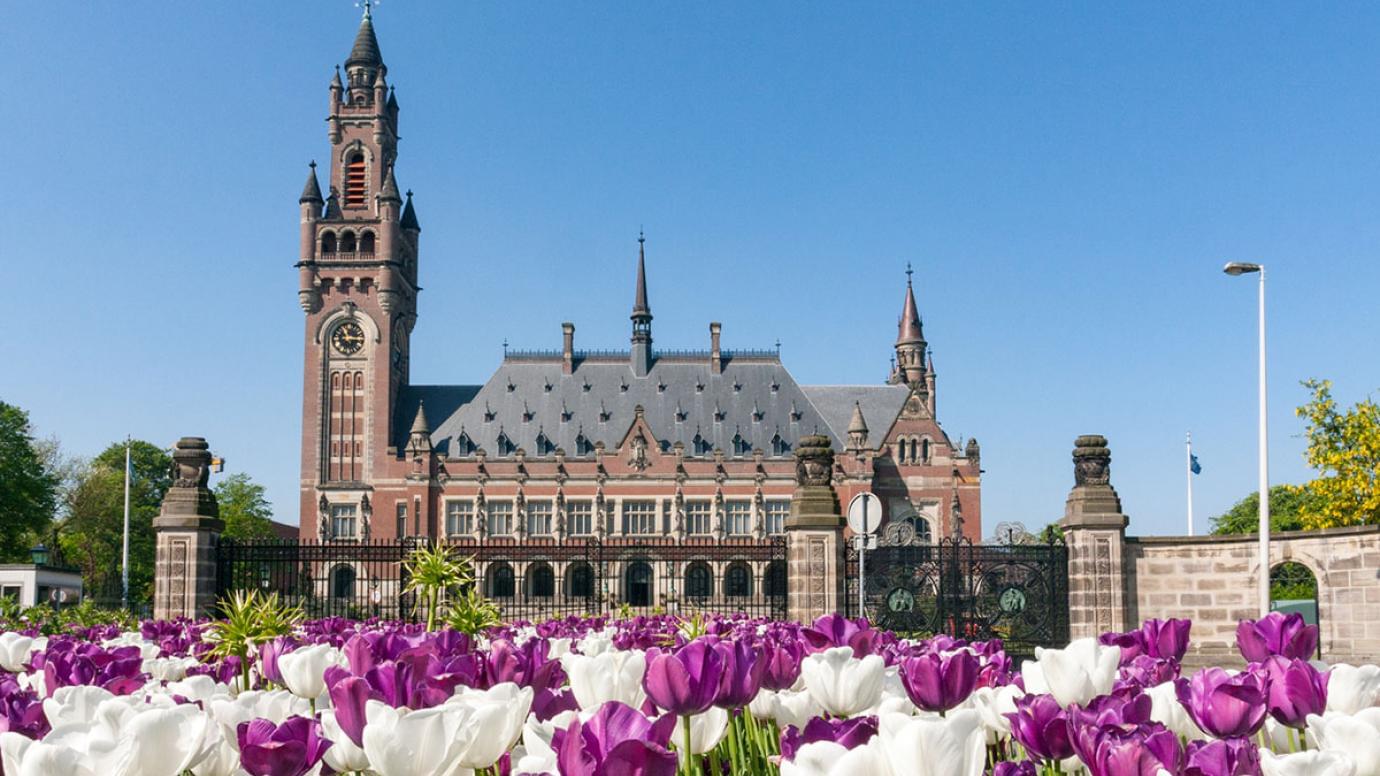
(1116, 581)
(815, 536)
(187, 529)
(562, 442)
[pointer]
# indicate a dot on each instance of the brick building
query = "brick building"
(564, 443)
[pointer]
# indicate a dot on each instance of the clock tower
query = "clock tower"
(357, 285)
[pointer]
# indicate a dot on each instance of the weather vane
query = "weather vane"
(368, 6)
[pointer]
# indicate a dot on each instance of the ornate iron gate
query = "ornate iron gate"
(1015, 592)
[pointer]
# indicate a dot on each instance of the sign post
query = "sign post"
(864, 516)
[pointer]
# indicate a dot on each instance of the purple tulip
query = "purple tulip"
(848, 733)
(835, 630)
(1166, 639)
(1297, 689)
(1140, 750)
(269, 652)
(1277, 633)
(68, 662)
(1230, 757)
(937, 682)
(745, 666)
(348, 697)
(1145, 671)
(1041, 726)
(782, 664)
(1022, 768)
(1223, 705)
(616, 741)
(687, 681)
(290, 749)
(21, 711)
(1131, 643)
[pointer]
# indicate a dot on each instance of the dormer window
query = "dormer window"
(700, 445)
(544, 444)
(582, 445)
(356, 184)
(505, 445)
(489, 414)
(779, 446)
(464, 445)
(741, 446)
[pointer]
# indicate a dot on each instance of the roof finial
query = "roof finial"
(368, 6)
(909, 272)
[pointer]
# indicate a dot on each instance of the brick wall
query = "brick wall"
(1212, 580)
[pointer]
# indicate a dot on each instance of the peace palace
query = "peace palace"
(568, 443)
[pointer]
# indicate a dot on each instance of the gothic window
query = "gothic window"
(356, 185)
(459, 518)
(464, 445)
(539, 518)
(343, 582)
(501, 581)
(925, 450)
(366, 243)
(345, 426)
(579, 581)
(544, 444)
(500, 518)
(402, 519)
(505, 445)
(923, 533)
(777, 512)
(738, 580)
(738, 517)
(347, 242)
(328, 243)
(343, 521)
(579, 517)
(697, 517)
(541, 581)
(741, 446)
(639, 517)
(583, 446)
(701, 445)
(779, 446)
(699, 580)
(774, 581)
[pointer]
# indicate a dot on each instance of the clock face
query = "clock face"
(348, 338)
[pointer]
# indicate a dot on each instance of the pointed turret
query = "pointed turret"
(390, 189)
(910, 341)
(857, 429)
(419, 438)
(312, 191)
(641, 316)
(365, 52)
(332, 205)
(419, 423)
(409, 216)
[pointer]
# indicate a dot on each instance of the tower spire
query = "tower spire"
(312, 191)
(640, 307)
(910, 339)
(641, 315)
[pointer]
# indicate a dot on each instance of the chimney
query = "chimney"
(716, 365)
(567, 348)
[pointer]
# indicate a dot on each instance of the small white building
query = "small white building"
(31, 584)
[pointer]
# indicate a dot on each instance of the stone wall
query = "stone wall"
(1212, 580)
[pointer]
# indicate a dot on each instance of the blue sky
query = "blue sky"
(1067, 179)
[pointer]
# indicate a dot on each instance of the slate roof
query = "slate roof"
(537, 408)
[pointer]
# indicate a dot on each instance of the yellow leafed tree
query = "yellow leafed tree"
(1344, 447)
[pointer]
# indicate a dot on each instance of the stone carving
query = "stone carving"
(481, 516)
(559, 527)
(366, 512)
(323, 518)
(1092, 461)
(759, 514)
(898, 533)
(814, 460)
(719, 529)
(678, 514)
(191, 463)
(638, 458)
(818, 568)
(1103, 574)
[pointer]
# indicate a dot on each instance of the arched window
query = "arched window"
(328, 243)
(541, 581)
(579, 581)
(343, 582)
(923, 533)
(355, 180)
(347, 242)
(925, 450)
(501, 581)
(774, 582)
(699, 580)
(637, 584)
(901, 451)
(366, 243)
(1294, 588)
(738, 580)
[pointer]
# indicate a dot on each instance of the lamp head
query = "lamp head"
(1240, 268)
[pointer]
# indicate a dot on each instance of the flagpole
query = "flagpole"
(1188, 472)
(124, 548)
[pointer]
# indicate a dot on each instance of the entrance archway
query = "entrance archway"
(637, 584)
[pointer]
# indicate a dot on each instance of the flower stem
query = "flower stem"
(689, 753)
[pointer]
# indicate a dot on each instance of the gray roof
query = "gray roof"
(754, 399)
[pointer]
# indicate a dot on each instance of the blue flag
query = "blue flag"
(1193, 464)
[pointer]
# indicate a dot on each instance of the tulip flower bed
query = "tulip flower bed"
(671, 696)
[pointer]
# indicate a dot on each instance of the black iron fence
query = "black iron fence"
(1015, 592)
(532, 579)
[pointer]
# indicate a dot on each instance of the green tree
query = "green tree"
(90, 536)
(1344, 446)
(28, 490)
(1288, 503)
(244, 508)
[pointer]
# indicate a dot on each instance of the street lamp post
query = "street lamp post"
(1242, 268)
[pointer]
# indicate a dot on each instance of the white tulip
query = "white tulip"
(607, 676)
(169, 669)
(1358, 735)
(556, 648)
(200, 688)
(1311, 763)
(342, 755)
(1352, 688)
(536, 756)
(993, 704)
(222, 756)
(304, 669)
(707, 730)
(842, 685)
(23, 756)
(894, 698)
(155, 742)
(74, 705)
(498, 716)
(14, 651)
(955, 745)
(426, 742)
(826, 758)
(795, 708)
(763, 704)
(1166, 710)
(272, 705)
(1078, 673)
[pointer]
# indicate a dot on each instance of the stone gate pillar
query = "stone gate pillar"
(188, 529)
(814, 533)
(1095, 532)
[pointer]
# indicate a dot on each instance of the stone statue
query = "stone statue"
(678, 515)
(366, 512)
(323, 519)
